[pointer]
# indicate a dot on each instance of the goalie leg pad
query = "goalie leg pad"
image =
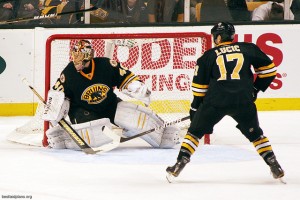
(91, 132)
(135, 119)
(170, 137)
(56, 138)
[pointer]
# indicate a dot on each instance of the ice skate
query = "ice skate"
(276, 169)
(175, 170)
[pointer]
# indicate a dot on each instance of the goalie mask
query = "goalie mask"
(225, 30)
(82, 53)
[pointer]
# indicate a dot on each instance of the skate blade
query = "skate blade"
(170, 178)
(282, 180)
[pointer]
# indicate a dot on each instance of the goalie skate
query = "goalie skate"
(175, 170)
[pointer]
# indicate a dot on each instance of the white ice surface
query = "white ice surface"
(229, 169)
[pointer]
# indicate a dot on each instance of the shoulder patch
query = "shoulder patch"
(62, 78)
(113, 63)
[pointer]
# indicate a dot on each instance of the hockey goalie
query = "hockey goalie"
(85, 93)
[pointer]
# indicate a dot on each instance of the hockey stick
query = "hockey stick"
(167, 124)
(48, 16)
(67, 127)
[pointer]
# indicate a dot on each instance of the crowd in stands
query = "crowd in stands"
(147, 11)
(21, 9)
(271, 10)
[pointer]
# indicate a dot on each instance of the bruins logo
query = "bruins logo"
(95, 93)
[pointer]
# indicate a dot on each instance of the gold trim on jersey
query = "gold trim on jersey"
(91, 74)
(199, 90)
(270, 66)
(130, 78)
(223, 43)
(267, 75)
(266, 71)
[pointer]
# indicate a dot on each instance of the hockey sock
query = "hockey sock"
(188, 146)
(263, 147)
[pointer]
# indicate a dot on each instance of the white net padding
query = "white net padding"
(164, 61)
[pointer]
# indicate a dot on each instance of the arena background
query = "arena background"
(24, 53)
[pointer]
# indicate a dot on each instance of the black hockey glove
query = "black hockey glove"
(254, 94)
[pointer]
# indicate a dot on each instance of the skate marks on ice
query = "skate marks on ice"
(148, 155)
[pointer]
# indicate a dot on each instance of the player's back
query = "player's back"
(227, 71)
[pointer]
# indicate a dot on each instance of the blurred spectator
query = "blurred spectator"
(238, 10)
(7, 10)
(215, 11)
(272, 10)
(27, 9)
(295, 8)
(135, 11)
(165, 10)
(109, 11)
(69, 6)
(224, 10)
(193, 4)
(48, 7)
(121, 11)
(61, 6)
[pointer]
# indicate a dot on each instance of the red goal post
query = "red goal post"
(164, 61)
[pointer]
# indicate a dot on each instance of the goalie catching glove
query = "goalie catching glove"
(139, 91)
(56, 108)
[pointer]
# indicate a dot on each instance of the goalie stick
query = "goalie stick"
(38, 17)
(167, 124)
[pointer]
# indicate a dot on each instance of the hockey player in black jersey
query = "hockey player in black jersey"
(223, 85)
(85, 92)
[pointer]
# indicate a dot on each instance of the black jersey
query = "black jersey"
(224, 76)
(94, 91)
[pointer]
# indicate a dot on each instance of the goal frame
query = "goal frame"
(112, 36)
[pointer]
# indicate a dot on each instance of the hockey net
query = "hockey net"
(164, 61)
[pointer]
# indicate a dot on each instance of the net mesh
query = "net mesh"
(164, 62)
